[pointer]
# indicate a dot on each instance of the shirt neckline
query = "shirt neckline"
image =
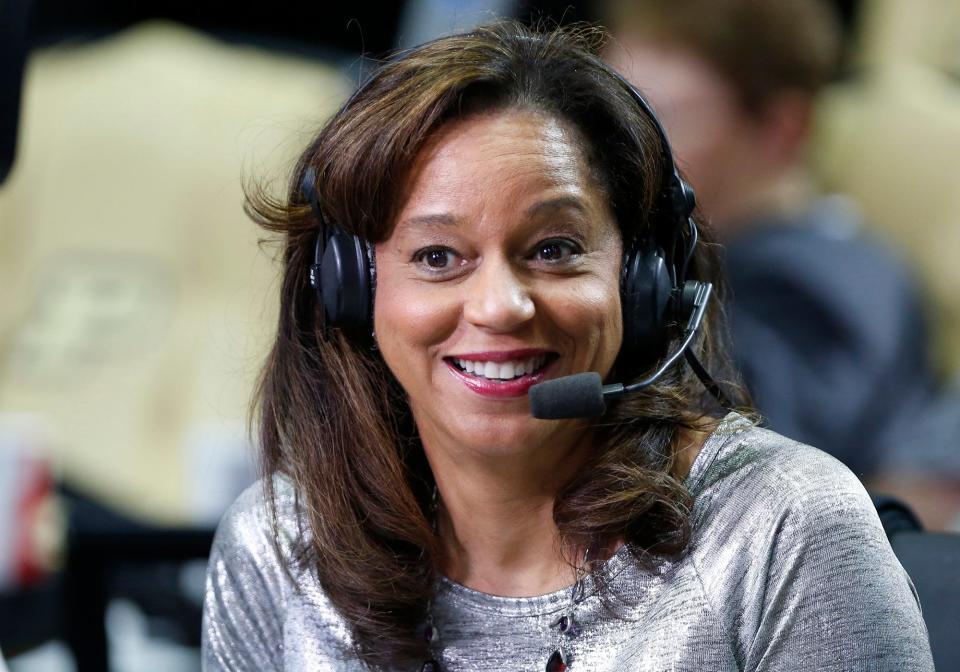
(559, 600)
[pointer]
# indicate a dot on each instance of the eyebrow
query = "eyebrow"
(446, 219)
(559, 203)
(442, 219)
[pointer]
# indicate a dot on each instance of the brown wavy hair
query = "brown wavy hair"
(330, 414)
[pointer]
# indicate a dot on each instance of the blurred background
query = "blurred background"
(137, 303)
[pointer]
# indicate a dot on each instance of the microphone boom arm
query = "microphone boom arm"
(701, 299)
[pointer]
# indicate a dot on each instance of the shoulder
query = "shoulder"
(264, 607)
(260, 529)
(784, 536)
(249, 580)
(746, 463)
(758, 482)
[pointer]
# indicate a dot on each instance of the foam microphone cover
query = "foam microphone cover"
(576, 396)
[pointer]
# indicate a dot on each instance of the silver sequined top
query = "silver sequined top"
(788, 569)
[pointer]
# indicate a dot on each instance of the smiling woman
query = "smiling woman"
(488, 212)
(520, 283)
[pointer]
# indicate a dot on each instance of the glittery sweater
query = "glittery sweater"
(787, 568)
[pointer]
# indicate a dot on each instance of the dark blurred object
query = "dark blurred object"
(895, 516)
(933, 562)
(357, 27)
(30, 616)
(14, 17)
(109, 556)
(297, 27)
(558, 12)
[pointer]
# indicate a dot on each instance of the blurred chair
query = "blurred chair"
(891, 139)
(112, 557)
(136, 303)
(890, 136)
(109, 557)
(933, 562)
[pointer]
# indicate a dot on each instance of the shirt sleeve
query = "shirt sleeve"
(835, 596)
(244, 601)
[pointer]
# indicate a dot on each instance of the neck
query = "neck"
(495, 518)
(495, 514)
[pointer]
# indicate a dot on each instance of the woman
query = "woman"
(414, 515)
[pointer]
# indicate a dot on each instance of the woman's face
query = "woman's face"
(502, 271)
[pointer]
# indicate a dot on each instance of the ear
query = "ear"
(785, 121)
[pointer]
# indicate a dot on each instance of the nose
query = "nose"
(497, 297)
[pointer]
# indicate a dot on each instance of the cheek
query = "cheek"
(409, 321)
(590, 314)
(610, 325)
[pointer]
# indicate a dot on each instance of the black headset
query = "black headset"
(655, 294)
(343, 273)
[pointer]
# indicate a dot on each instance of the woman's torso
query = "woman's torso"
(781, 534)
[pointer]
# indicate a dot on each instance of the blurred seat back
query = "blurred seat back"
(933, 562)
(890, 137)
(135, 305)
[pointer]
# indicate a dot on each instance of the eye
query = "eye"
(556, 250)
(435, 259)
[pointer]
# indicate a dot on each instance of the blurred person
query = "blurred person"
(491, 212)
(827, 324)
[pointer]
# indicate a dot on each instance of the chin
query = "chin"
(511, 434)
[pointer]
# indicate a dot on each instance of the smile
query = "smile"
(502, 374)
(508, 370)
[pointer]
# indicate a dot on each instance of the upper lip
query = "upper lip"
(501, 355)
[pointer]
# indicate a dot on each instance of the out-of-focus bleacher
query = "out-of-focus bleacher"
(889, 136)
(136, 307)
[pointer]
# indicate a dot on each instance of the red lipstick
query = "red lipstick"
(502, 389)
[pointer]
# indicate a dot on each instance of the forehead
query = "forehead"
(506, 158)
(507, 134)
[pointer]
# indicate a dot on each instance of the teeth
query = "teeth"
(502, 370)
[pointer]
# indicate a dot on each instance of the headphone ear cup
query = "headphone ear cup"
(645, 297)
(345, 283)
